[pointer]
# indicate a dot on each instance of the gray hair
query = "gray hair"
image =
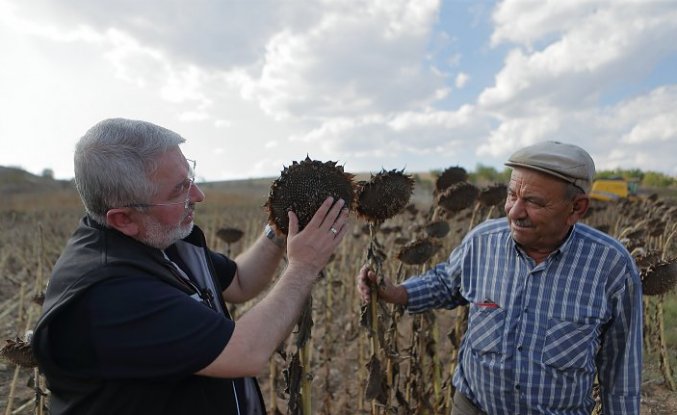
(114, 160)
(571, 191)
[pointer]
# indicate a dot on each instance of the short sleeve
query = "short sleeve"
(225, 268)
(139, 328)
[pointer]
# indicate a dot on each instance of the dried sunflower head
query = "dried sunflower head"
(384, 195)
(418, 252)
(302, 187)
(493, 195)
(450, 177)
(458, 197)
(19, 352)
(660, 277)
(437, 229)
(645, 259)
(229, 235)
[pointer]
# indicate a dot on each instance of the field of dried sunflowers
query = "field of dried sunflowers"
(345, 358)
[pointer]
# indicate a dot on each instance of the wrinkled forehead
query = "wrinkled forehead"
(533, 181)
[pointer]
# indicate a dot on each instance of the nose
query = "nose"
(196, 194)
(514, 209)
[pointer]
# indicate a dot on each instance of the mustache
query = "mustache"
(522, 223)
(189, 211)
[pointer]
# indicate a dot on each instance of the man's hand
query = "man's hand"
(386, 291)
(311, 248)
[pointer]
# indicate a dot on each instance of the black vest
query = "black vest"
(93, 254)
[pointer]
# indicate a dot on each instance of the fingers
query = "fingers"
(318, 218)
(293, 223)
(333, 215)
(365, 279)
(313, 246)
(339, 227)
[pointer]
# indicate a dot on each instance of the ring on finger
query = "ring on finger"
(333, 230)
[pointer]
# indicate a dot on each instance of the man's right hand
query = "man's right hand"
(310, 249)
(387, 291)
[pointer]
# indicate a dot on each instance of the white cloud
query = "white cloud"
(461, 79)
(349, 63)
(586, 47)
(353, 80)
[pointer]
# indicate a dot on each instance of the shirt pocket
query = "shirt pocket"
(568, 344)
(485, 329)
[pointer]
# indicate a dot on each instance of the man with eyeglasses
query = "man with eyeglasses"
(134, 320)
(553, 303)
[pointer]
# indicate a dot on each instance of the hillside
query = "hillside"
(17, 182)
(14, 180)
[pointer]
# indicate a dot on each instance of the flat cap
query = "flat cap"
(565, 161)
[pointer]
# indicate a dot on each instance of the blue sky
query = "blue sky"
(415, 84)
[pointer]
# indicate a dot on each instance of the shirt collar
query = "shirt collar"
(564, 247)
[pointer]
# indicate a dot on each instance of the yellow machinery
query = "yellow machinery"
(614, 189)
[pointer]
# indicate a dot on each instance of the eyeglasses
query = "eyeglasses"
(186, 187)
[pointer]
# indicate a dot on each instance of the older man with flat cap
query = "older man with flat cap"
(553, 303)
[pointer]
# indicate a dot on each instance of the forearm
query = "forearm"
(433, 290)
(395, 294)
(255, 269)
(261, 329)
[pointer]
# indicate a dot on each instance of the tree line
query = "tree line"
(487, 174)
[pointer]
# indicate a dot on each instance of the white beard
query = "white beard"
(161, 236)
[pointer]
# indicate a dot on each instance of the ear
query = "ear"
(578, 209)
(122, 219)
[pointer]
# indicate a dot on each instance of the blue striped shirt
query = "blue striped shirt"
(538, 333)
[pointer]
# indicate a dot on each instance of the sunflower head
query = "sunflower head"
(384, 195)
(418, 252)
(450, 177)
(660, 278)
(229, 235)
(458, 197)
(302, 187)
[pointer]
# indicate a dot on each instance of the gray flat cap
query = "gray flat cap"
(566, 161)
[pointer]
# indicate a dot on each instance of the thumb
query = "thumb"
(293, 224)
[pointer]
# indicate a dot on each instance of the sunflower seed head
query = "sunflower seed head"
(437, 229)
(660, 278)
(647, 259)
(418, 252)
(385, 195)
(19, 352)
(450, 177)
(302, 187)
(458, 197)
(229, 235)
(493, 195)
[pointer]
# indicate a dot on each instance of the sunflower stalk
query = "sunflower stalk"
(375, 263)
(666, 370)
(304, 345)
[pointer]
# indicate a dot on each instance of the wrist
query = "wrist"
(304, 270)
(279, 241)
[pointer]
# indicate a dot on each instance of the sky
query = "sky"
(418, 85)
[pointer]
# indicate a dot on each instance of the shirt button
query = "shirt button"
(517, 387)
(519, 348)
